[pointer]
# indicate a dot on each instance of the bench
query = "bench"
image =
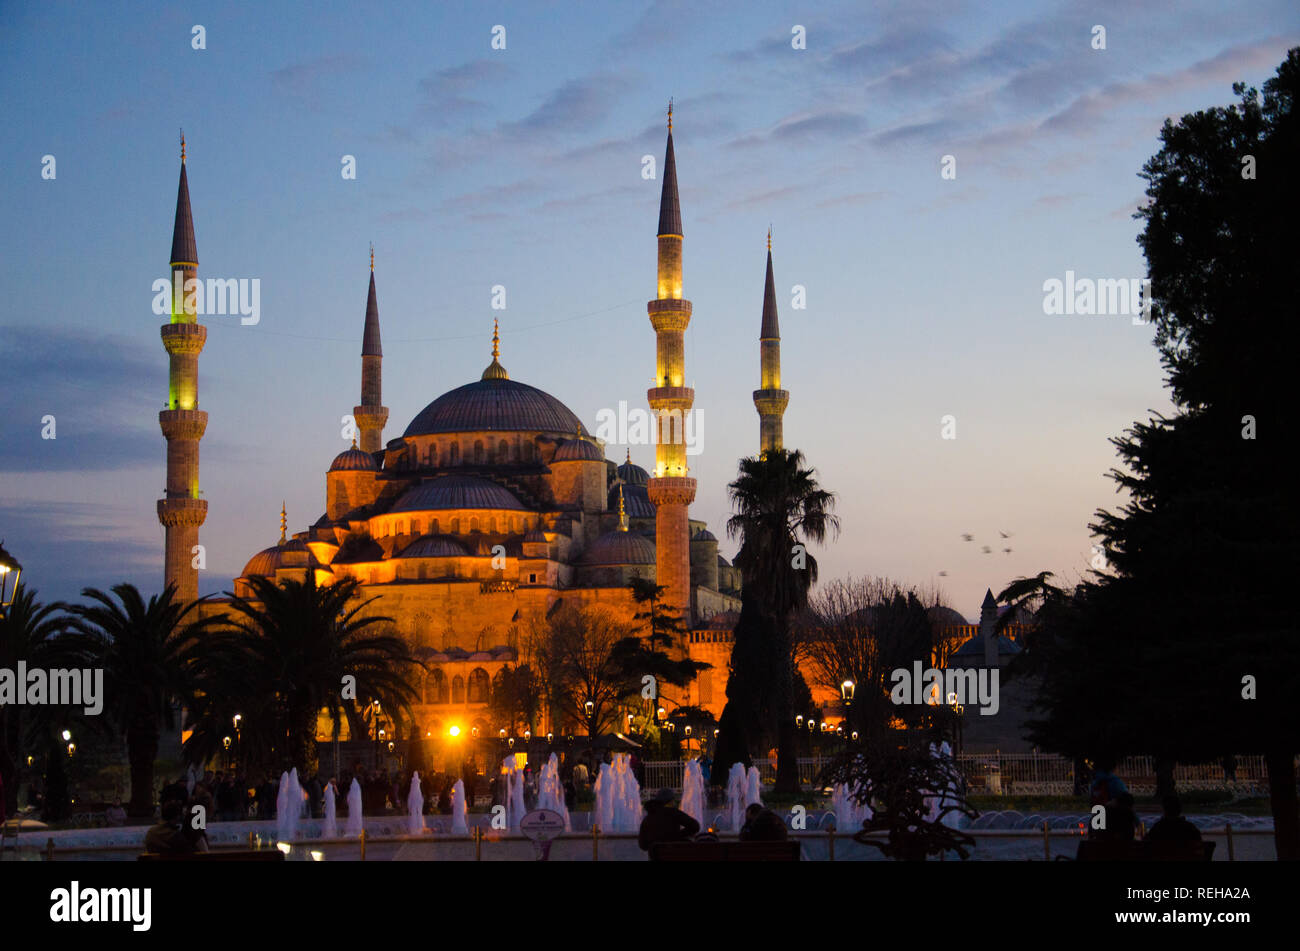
(724, 852)
(225, 855)
(1103, 850)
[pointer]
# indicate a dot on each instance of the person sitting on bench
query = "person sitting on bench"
(664, 822)
(1172, 828)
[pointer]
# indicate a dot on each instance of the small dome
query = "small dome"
(578, 450)
(434, 546)
(636, 501)
(633, 474)
(620, 548)
(354, 460)
(292, 554)
(456, 492)
(704, 535)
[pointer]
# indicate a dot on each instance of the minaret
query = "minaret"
(182, 511)
(770, 400)
(670, 489)
(371, 415)
(988, 625)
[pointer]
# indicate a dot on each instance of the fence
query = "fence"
(1023, 774)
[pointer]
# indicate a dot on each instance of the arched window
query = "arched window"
(433, 454)
(455, 526)
(503, 451)
(435, 687)
(478, 452)
(473, 524)
(458, 689)
(479, 684)
(415, 526)
(433, 526)
(453, 455)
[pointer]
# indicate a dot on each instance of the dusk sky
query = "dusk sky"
(523, 167)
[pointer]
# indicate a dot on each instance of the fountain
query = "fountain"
(618, 797)
(550, 791)
(288, 806)
(458, 824)
(515, 806)
(330, 828)
(355, 822)
(753, 785)
(693, 791)
(849, 814)
(415, 807)
(736, 782)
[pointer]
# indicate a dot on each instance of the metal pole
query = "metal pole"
(478, 843)
(1047, 844)
(49, 849)
(363, 845)
(1231, 855)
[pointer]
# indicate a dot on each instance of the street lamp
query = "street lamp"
(798, 721)
(67, 735)
(8, 566)
(846, 690)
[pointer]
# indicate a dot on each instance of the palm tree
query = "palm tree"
(779, 509)
(148, 653)
(297, 642)
(30, 632)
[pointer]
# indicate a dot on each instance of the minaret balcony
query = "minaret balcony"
(183, 423)
(771, 402)
(182, 511)
(671, 490)
(671, 397)
(668, 314)
(184, 338)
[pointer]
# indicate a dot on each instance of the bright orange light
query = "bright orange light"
(454, 731)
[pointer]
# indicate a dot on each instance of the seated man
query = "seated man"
(762, 825)
(664, 822)
(1172, 828)
(166, 837)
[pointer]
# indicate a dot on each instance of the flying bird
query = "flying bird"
(1004, 534)
(966, 537)
(987, 550)
(943, 574)
(1006, 551)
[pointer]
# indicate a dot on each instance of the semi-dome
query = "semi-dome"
(620, 548)
(941, 614)
(434, 546)
(457, 492)
(704, 535)
(578, 450)
(354, 460)
(497, 405)
(636, 501)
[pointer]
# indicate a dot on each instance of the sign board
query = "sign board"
(542, 825)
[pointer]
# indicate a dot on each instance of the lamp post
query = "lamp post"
(8, 566)
(847, 689)
(238, 721)
(374, 712)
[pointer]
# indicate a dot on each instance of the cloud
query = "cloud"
(447, 92)
(575, 106)
(1229, 65)
(306, 80)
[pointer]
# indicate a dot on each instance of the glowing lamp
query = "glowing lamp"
(454, 731)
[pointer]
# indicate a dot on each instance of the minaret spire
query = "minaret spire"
(284, 524)
(371, 415)
(622, 512)
(670, 488)
(181, 511)
(495, 371)
(770, 399)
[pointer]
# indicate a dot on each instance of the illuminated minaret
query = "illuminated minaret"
(770, 400)
(182, 511)
(371, 415)
(670, 488)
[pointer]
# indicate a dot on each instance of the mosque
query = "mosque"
(493, 506)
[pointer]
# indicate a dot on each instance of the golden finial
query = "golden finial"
(182, 146)
(354, 442)
(622, 513)
(628, 460)
(769, 237)
(284, 523)
(670, 114)
(372, 257)
(496, 340)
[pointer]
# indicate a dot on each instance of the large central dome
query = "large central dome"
(495, 405)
